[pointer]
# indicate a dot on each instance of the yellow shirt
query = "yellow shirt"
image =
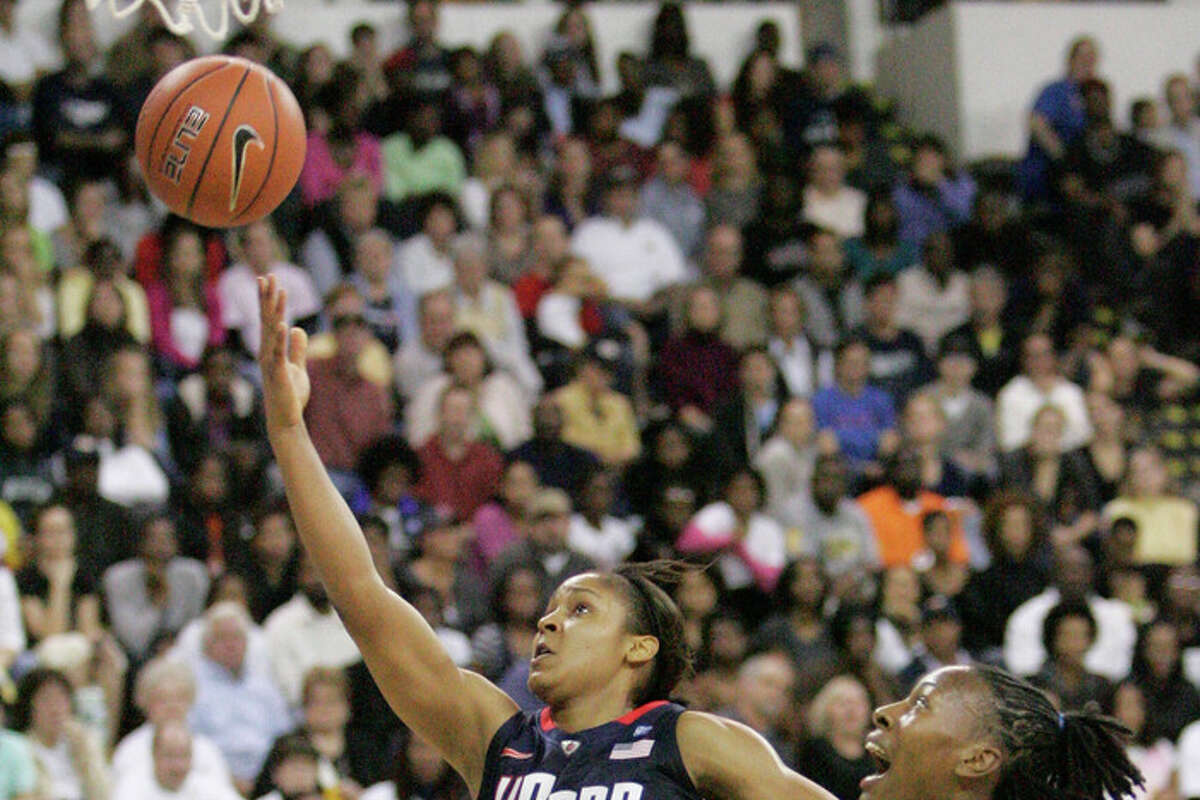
(374, 363)
(607, 428)
(1166, 528)
(74, 289)
(10, 532)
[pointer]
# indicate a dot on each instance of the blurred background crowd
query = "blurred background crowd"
(912, 413)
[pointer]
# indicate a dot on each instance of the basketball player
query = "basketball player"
(978, 733)
(608, 652)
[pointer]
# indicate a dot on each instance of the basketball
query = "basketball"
(221, 141)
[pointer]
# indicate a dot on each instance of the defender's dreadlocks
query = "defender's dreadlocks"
(1070, 756)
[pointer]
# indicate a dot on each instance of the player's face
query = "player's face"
(919, 743)
(582, 641)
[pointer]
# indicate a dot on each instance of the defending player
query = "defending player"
(608, 652)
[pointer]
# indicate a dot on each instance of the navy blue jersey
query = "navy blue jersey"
(634, 757)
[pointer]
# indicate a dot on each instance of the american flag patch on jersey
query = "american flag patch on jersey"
(508, 752)
(639, 749)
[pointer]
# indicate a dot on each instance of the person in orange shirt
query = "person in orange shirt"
(896, 508)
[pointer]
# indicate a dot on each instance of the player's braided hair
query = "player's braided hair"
(1069, 756)
(652, 612)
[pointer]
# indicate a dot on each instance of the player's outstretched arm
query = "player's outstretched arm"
(729, 761)
(457, 711)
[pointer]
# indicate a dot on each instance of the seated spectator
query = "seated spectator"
(487, 309)
(1171, 700)
(1141, 377)
(389, 470)
(420, 160)
(697, 595)
(495, 165)
(165, 691)
(27, 372)
(571, 193)
(1068, 632)
(390, 307)
(128, 389)
(743, 301)
(635, 256)
(833, 301)
(938, 646)
(569, 312)
(933, 197)
(68, 757)
(1156, 759)
(786, 459)
(84, 355)
(969, 439)
(1166, 522)
(764, 689)
(325, 708)
(100, 261)
(420, 358)
(862, 417)
(440, 565)
(548, 244)
(418, 768)
(340, 146)
(899, 364)
(103, 528)
(501, 522)
(25, 475)
(229, 587)
(898, 624)
(802, 366)
(776, 240)
(879, 248)
(797, 625)
(327, 251)
(698, 369)
(173, 773)
(508, 234)
(457, 470)
(346, 411)
(596, 531)
(853, 631)
(595, 416)
(426, 258)
(516, 603)
(291, 771)
(669, 199)
(933, 295)
(262, 253)
(1112, 651)
(185, 305)
(303, 633)
(828, 201)
(989, 337)
(241, 711)
(1058, 479)
(545, 548)
(724, 645)
(213, 408)
(558, 463)
(923, 428)
(501, 413)
(940, 574)
(897, 507)
(750, 544)
(272, 563)
(834, 755)
(1040, 384)
(150, 598)
(58, 592)
(671, 456)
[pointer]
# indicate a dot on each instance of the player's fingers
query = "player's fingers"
(298, 347)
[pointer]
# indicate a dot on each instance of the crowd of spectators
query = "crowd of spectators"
(909, 414)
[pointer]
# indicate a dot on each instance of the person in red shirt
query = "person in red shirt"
(346, 411)
(456, 471)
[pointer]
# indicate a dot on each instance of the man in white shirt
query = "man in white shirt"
(419, 359)
(427, 259)
(1112, 652)
(165, 692)
(934, 297)
(635, 256)
(238, 290)
(1040, 384)
(1182, 131)
(828, 202)
(172, 775)
(305, 632)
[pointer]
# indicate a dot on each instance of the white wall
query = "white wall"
(721, 32)
(1003, 53)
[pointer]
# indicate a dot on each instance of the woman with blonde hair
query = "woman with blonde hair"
(834, 754)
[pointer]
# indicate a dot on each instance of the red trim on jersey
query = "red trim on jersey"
(547, 722)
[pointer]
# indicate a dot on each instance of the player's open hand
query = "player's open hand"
(281, 357)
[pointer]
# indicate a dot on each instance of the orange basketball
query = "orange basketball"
(221, 141)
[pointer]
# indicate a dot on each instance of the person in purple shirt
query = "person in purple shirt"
(932, 197)
(862, 417)
(1057, 119)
